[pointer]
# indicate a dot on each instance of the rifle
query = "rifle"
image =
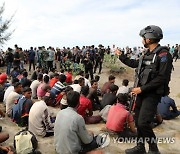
(133, 97)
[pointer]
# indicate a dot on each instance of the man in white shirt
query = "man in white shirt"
(39, 118)
(124, 89)
(86, 80)
(77, 87)
(13, 97)
(9, 89)
(35, 84)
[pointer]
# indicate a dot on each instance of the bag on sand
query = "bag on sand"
(25, 142)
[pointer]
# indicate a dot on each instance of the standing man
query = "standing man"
(88, 64)
(9, 60)
(50, 58)
(154, 72)
(175, 54)
(31, 58)
(22, 58)
(16, 61)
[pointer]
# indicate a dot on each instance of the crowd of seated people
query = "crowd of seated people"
(27, 100)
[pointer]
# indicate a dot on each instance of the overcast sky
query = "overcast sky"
(61, 23)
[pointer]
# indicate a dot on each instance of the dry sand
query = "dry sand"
(167, 129)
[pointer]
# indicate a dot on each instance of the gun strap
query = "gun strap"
(139, 69)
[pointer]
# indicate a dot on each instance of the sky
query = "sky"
(68, 23)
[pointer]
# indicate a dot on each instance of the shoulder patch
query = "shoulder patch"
(162, 54)
(164, 58)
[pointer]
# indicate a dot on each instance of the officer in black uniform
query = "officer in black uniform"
(154, 72)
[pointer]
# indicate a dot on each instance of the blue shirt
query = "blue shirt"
(31, 55)
(164, 106)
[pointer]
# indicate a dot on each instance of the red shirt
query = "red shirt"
(53, 81)
(68, 77)
(117, 117)
(85, 104)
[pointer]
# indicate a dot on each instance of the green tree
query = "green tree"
(5, 33)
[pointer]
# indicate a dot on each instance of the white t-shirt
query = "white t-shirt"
(123, 90)
(34, 86)
(39, 119)
(7, 92)
(76, 87)
(87, 82)
(10, 101)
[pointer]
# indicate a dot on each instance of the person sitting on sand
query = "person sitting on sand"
(63, 101)
(13, 98)
(165, 105)
(93, 96)
(3, 80)
(85, 107)
(110, 98)
(24, 80)
(119, 120)
(105, 87)
(34, 85)
(124, 89)
(9, 89)
(43, 88)
(20, 111)
(40, 121)
(70, 133)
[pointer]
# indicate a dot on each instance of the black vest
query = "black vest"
(150, 69)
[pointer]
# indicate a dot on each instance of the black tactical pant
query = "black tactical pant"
(100, 66)
(145, 110)
(90, 71)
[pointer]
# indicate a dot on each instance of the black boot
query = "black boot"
(153, 149)
(139, 149)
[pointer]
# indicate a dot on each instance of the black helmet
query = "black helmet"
(151, 32)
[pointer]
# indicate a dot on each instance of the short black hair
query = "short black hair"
(85, 90)
(56, 74)
(49, 96)
(125, 82)
(25, 74)
(67, 89)
(16, 84)
(87, 76)
(122, 98)
(62, 70)
(52, 69)
(14, 80)
(80, 80)
(45, 71)
(97, 77)
(73, 99)
(62, 78)
(111, 77)
(113, 87)
(40, 76)
(75, 82)
(26, 89)
(92, 82)
(81, 73)
(46, 78)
